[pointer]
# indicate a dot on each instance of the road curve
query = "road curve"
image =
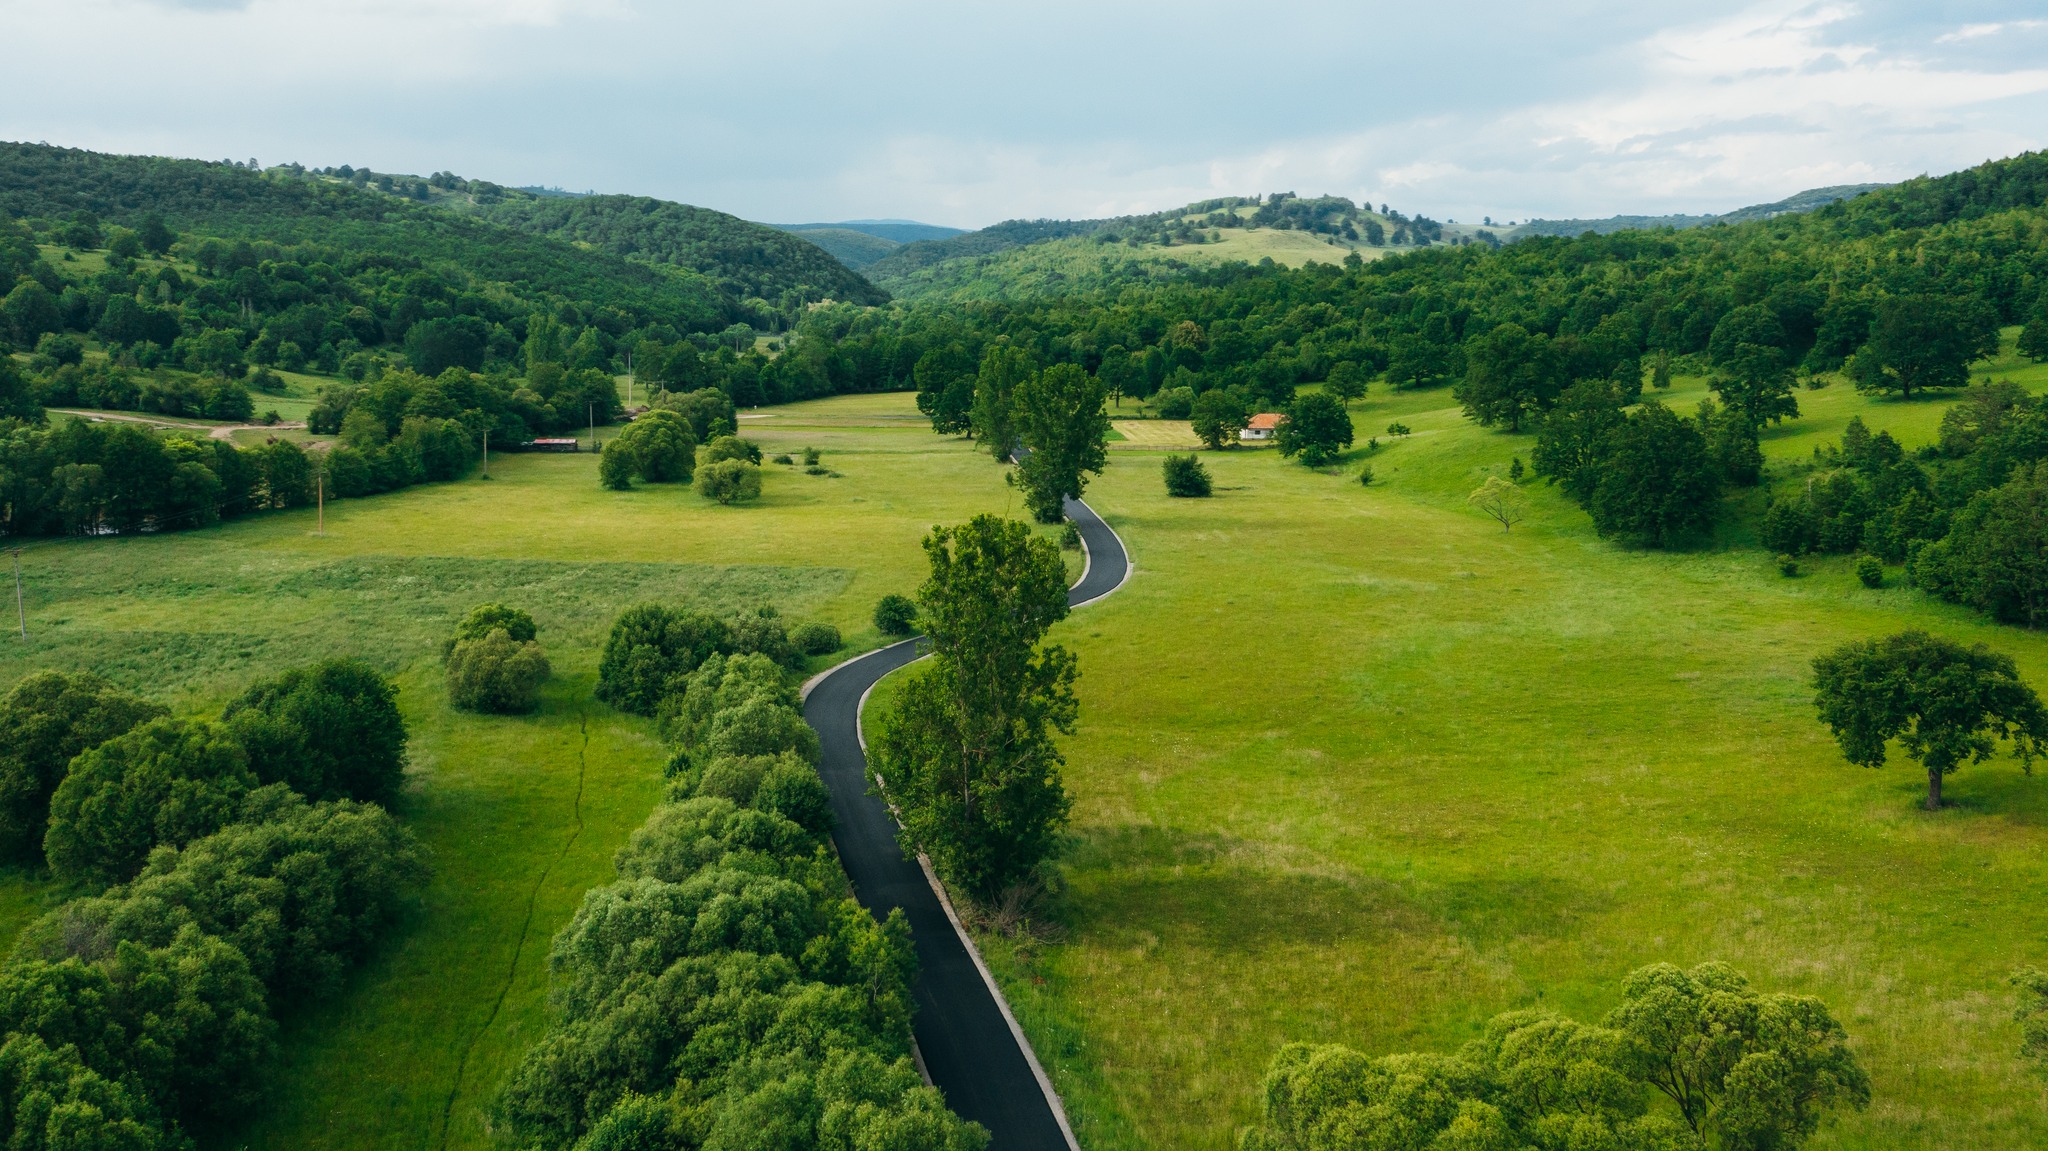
(966, 1038)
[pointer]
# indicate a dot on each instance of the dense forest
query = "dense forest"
(768, 270)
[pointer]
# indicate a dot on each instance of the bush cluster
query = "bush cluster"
(653, 649)
(494, 663)
(660, 447)
(1744, 1070)
(726, 987)
(95, 780)
(132, 1017)
(729, 481)
(895, 614)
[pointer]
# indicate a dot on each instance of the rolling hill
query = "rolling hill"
(746, 260)
(1026, 257)
(1805, 201)
(860, 243)
(290, 206)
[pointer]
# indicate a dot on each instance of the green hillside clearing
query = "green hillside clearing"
(520, 816)
(1355, 766)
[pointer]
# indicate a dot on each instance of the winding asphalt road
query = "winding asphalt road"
(963, 1033)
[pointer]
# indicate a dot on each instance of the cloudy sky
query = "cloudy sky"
(967, 113)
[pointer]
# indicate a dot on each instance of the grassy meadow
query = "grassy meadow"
(519, 815)
(1357, 766)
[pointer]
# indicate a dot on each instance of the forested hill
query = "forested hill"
(1805, 201)
(746, 260)
(1022, 258)
(292, 208)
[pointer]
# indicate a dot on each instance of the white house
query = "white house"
(1262, 426)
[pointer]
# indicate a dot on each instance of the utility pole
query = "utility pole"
(19, 614)
(487, 453)
(320, 495)
(629, 381)
(593, 426)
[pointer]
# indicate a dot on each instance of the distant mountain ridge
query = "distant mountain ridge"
(895, 231)
(861, 243)
(1805, 201)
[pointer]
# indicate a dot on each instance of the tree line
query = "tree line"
(727, 984)
(235, 868)
(1689, 1059)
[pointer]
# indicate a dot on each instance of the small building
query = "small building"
(1263, 426)
(558, 444)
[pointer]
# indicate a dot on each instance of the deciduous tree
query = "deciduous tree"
(1317, 428)
(1946, 704)
(968, 751)
(1061, 422)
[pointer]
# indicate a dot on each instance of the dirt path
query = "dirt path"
(213, 431)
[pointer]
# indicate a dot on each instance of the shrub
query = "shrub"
(1788, 564)
(496, 674)
(721, 684)
(48, 719)
(615, 467)
(1176, 403)
(60, 350)
(895, 614)
(1365, 476)
(331, 731)
(1870, 571)
(1070, 536)
(791, 789)
(485, 618)
(761, 727)
(730, 481)
(1186, 477)
(651, 651)
(812, 457)
(660, 447)
(816, 638)
(733, 777)
(761, 633)
(168, 782)
(1397, 429)
(725, 448)
(784, 459)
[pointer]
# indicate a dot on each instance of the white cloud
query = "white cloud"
(1749, 108)
(1976, 31)
(810, 109)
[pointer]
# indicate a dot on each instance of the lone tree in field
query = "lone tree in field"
(968, 751)
(1317, 428)
(1501, 500)
(1061, 422)
(1944, 703)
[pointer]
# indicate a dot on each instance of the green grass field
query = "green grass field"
(519, 816)
(1356, 766)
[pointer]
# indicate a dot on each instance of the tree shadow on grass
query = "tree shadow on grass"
(1998, 788)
